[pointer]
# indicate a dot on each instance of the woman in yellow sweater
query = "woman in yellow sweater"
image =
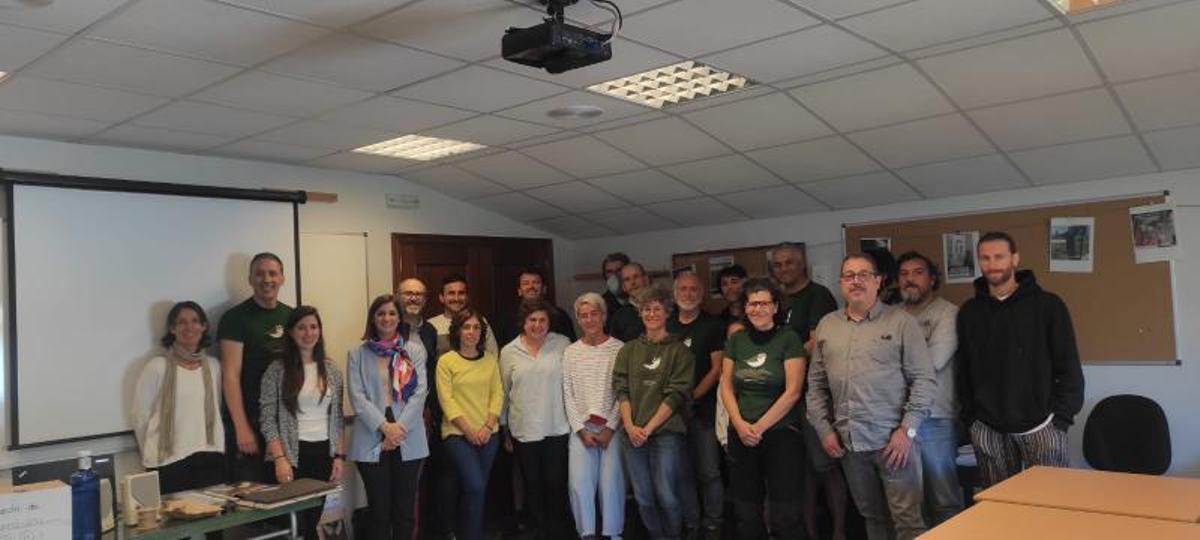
(469, 390)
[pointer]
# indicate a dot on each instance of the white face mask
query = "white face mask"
(613, 284)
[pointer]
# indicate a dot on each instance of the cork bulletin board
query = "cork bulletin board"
(1122, 311)
(753, 259)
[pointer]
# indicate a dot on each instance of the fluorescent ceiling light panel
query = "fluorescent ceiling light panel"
(1075, 7)
(420, 148)
(672, 85)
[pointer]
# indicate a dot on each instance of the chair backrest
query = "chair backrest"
(1128, 433)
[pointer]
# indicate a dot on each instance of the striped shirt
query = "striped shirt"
(587, 382)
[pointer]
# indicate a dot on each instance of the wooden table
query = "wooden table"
(1001, 521)
(1136, 495)
(174, 529)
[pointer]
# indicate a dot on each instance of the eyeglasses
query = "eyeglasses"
(759, 305)
(861, 276)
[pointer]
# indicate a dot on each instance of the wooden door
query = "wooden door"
(491, 265)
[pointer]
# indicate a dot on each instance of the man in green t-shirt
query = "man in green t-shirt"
(251, 336)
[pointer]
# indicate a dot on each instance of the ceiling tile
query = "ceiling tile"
(632, 220)
(463, 88)
(1090, 114)
(861, 191)
(62, 17)
(706, 102)
(490, 130)
(815, 160)
(19, 46)
(252, 149)
(1147, 43)
(518, 206)
(576, 197)
(628, 58)
(589, 14)
(923, 141)
(328, 136)
(160, 139)
(837, 9)
(645, 186)
(394, 114)
(31, 124)
(211, 119)
(265, 92)
(106, 64)
(622, 122)
(855, 102)
(1174, 148)
(537, 110)
(1032, 66)
(466, 29)
(572, 227)
(1092, 160)
(926, 22)
(583, 157)
(365, 64)
(513, 170)
(659, 142)
(698, 27)
(324, 12)
(802, 53)
(364, 163)
(696, 212)
(206, 30)
(723, 174)
(455, 182)
(24, 93)
(773, 202)
(1164, 102)
(758, 122)
(960, 177)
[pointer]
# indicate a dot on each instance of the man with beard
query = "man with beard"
(938, 437)
(730, 280)
(531, 289)
(870, 387)
(704, 335)
(1019, 380)
(454, 299)
(627, 321)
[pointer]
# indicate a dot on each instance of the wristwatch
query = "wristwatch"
(912, 433)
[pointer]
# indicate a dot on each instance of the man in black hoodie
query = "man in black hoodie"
(1019, 379)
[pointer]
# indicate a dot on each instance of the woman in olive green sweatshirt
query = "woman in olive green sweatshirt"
(652, 379)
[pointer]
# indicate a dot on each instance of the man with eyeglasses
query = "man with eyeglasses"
(938, 436)
(870, 386)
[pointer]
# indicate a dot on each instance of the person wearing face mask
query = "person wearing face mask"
(614, 296)
(870, 387)
(704, 335)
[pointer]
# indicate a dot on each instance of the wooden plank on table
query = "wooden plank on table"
(1137, 495)
(1001, 521)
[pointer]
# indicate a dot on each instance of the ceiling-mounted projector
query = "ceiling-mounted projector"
(555, 45)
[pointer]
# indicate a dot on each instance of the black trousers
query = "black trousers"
(772, 471)
(246, 466)
(198, 470)
(391, 486)
(544, 470)
(315, 463)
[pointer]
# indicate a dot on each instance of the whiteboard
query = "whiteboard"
(94, 273)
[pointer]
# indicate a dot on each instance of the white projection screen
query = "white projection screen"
(92, 275)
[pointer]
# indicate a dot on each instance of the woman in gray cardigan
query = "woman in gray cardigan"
(388, 385)
(301, 404)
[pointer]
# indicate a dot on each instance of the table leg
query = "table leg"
(295, 529)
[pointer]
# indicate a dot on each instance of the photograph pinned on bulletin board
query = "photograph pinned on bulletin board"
(1153, 228)
(958, 256)
(1072, 244)
(715, 265)
(879, 243)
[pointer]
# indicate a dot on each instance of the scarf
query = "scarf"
(166, 401)
(402, 375)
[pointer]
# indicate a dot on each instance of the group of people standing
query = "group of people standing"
(783, 392)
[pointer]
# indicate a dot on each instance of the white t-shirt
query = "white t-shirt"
(313, 416)
(189, 432)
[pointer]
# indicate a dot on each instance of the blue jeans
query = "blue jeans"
(654, 470)
(596, 469)
(702, 476)
(474, 464)
(938, 438)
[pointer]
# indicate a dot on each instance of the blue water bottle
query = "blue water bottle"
(85, 500)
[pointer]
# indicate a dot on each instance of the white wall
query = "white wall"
(1176, 388)
(360, 208)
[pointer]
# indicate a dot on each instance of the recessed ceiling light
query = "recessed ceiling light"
(575, 111)
(3, 74)
(673, 84)
(419, 148)
(1075, 7)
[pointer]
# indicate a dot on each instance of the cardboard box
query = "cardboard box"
(39, 511)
